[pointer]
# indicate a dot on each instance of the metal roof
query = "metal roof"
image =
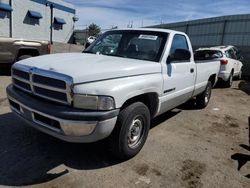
(224, 30)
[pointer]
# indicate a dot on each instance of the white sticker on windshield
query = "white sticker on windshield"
(148, 37)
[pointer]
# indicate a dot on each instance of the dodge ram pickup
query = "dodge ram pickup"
(113, 89)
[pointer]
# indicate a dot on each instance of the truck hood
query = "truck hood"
(91, 67)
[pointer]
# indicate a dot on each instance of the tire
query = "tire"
(239, 77)
(203, 99)
(229, 82)
(22, 57)
(131, 131)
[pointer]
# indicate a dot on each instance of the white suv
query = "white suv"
(230, 59)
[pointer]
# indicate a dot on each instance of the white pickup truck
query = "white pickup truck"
(121, 81)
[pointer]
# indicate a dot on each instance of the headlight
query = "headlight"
(89, 102)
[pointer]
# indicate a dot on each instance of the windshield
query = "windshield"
(143, 45)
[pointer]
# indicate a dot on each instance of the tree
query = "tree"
(93, 30)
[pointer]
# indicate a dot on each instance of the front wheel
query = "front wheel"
(203, 99)
(131, 130)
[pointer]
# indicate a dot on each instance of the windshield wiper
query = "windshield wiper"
(114, 55)
(88, 52)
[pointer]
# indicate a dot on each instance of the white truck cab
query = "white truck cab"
(113, 89)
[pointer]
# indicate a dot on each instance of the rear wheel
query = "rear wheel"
(229, 82)
(203, 99)
(240, 75)
(131, 130)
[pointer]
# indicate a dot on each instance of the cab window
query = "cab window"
(179, 42)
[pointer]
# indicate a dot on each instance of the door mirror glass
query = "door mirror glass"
(179, 55)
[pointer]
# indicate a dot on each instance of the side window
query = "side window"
(235, 50)
(231, 54)
(179, 42)
(237, 53)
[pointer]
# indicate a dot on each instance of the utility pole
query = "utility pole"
(11, 20)
(51, 21)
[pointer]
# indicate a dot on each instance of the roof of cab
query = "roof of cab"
(152, 29)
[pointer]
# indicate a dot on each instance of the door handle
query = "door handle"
(192, 70)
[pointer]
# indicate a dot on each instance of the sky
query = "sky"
(121, 13)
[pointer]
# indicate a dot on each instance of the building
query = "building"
(80, 36)
(51, 20)
(225, 30)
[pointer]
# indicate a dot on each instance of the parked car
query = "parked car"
(111, 92)
(230, 59)
(91, 39)
(12, 50)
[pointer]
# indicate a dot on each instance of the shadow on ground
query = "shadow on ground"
(5, 71)
(27, 156)
(189, 105)
(243, 158)
(245, 86)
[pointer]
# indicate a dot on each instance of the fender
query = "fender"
(123, 89)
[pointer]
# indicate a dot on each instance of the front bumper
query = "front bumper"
(66, 123)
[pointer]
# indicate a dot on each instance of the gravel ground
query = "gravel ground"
(185, 148)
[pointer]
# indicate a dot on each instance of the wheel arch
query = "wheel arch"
(27, 51)
(151, 100)
(213, 79)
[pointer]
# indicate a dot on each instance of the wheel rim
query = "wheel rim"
(135, 132)
(207, 95)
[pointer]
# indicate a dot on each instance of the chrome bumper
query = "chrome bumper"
(65, 129)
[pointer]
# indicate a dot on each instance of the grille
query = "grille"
(45, 84)
(49, 81)
(51, 94)
(22, 85)
(21, 74)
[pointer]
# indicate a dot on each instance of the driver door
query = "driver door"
(178, 76)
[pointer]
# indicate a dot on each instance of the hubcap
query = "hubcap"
(135, 132)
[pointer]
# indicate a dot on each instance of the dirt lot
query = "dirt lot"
(185, 148)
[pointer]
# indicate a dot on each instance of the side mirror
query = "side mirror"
(179, 55)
